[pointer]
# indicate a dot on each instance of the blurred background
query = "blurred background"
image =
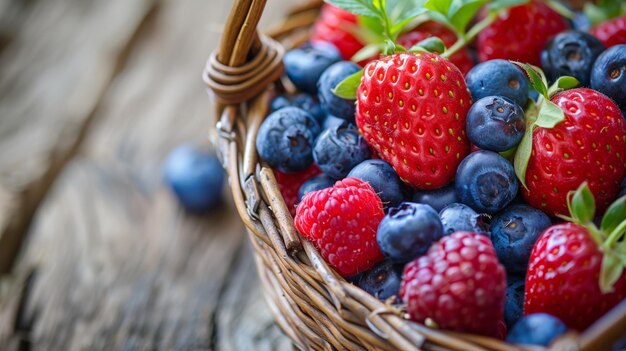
(95, 251)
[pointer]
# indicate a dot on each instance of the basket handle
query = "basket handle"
(245, 62)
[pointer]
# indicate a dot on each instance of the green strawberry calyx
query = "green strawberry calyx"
(544, 113)
(604, 10)
(610, 237)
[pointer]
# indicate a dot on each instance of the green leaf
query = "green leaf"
(441, 6)
(610, 272)
(499, 5)
(373, 27)
(583, 206)
(431, 44)
(560, 9)
(358, 7)
(614, 215)
(549, 115)
(441, 18)
(563, 83)
(522, 155)
(535, 79)
(346, 89)
(367, 52)
(463, 15)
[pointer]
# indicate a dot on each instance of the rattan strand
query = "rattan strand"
(315, 307)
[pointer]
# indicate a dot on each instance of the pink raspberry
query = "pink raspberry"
(341, 221)
(290, 183)
(459, 284)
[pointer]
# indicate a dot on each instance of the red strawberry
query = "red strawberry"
(341, 222)
(520, 33)
(332, 26)
(590, 144)
(411, 109)
(461, 59)
(289, 184)
(459, 284)
(611, 32)
(566, 264)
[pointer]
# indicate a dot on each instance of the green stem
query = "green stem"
(615, 235)
(465, 39)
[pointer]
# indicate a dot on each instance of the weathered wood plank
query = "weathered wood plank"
(54, 69)
(117, 264)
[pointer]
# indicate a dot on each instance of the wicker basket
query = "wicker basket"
(314, 306)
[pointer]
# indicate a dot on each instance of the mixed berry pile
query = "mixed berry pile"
(463, 160)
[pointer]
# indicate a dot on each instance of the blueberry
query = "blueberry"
(514, 303)
(571, 53)
(383, 179)
(285, 139)
(619, 345)
(608, 75)
(319, 182)
(536, 329)
(407, 231)
(485, 181)
(303, 101)
(514, 232)
(457, 217)
(382, 281)
(305, 65)
(331, 121)
(196, 177)
(332, 76)
(437, 199)
(495, 123)
(581, 22)
(498, 77)
(339, 149)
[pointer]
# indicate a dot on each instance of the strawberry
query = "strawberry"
(459, 285)
(461, 59)
(411, 109)
(289, 184)
(520, 33)
(333, 26)
(341, 221)
(576, 271)
(589, 144)
(611, 32)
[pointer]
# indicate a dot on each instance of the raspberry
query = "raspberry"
(459, 284)
(289, 184)
(341, 221)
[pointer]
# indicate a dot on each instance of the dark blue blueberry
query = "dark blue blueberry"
(331, 121)
(619, 345)
(339, 149)
(382, 281)
(196, 177)
(622, 192)
(495, 123)
(437, 199)
(319, 182)
(407, 231)
(383, 179)
(571, 53)
(498, 77)
(514, 232)
(581, 22)
(285, 139)
(533, 94)
(302, 101)
(331, 103)
(305, 65)
(514, 303)
(536, 329)
(608, 75)
(457, 217)
(485, 181)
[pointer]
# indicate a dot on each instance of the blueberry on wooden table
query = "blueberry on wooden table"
(195, 176)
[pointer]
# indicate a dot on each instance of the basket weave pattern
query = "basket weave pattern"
(317, 308)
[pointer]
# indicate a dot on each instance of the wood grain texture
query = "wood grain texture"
(58, 57)
(111, 262)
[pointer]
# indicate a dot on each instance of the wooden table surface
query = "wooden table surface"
(95, 253)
